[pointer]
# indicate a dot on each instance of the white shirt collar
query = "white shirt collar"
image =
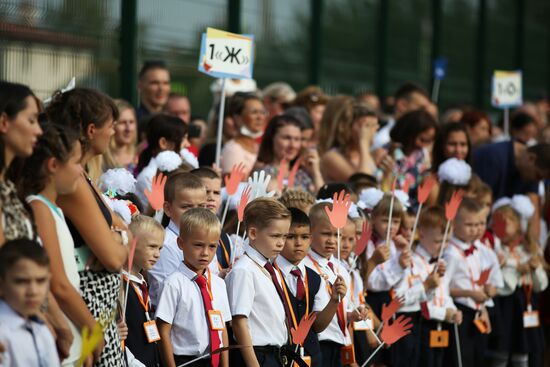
(15, 320)
(286, 267)
(421, 251)
(174, 228)
(139, 279)
(190, 274)
(319, 259)
(255, 255)
(461, 244)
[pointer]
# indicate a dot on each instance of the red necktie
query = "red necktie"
(214, 335)
(144, 291)
(271, 271)
(300, 288)
(341, 315)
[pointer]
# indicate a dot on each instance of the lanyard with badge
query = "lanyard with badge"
(347, 352)
(150, 326)
(480, 324)
(306, 359)
(439, 338)
(530, 316)
(214, 316)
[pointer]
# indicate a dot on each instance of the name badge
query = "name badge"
(439, 338)
(151, 331)
(329, 275)
(347, 354)
(216, 320)
(531, 319)
(481, 325)
(362, 325)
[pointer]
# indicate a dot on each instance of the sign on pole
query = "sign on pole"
(225, 55)
(507, 92)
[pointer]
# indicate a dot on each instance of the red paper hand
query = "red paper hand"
(234, 178)
(131, 254)
(338, 216)
(292, 175)
(407, 184)
(499, 225)
(396, 330)
(390, 310)
(283, 171)
(425, 189)
(156, 195)
(300, 334)
(483, 277)
(363, 240)
(451, 207)
(245, 196)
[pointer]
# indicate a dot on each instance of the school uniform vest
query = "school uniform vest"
(147, 353)
(311, 344)
(221, 255)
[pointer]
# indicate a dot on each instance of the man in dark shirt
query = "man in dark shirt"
(511, 168)
(154, 88)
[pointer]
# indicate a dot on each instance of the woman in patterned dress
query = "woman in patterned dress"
(99, 236)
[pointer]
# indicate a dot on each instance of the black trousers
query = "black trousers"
(432, 357)
(473, 344)
(205, 362)
(330, 352)
(405, 352)
(267, 356)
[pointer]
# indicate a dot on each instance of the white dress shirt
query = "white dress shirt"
(26, 342)
(320, 264)
(463, 270)
(321, 297)
(388, 274)
(171, 256)
(252, 294)
(182, 306)
(513, 279)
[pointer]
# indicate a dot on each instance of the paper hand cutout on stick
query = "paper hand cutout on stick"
(499, 225)
(283, 171)
(89, 341)
(364, 239)
(156, 195)
(131, 254)
(451, 207)
(409, 180)
(396, 330)
(242, 204)
(299, 335)
(389, 310)
(258, 184)
(483, 277)
(293, 172)
(234, 178)
(341, 203)
(425, 189)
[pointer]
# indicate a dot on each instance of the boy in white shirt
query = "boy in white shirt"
(183, 191)
(24, 286)
(335, 339)
(193, 307)
(260, 311)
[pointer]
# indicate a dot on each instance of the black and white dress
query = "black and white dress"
(100, 291)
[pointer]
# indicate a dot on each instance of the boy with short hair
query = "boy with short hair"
(306, 289)
(324, 244)
(24, 286)
(213, 183)
(183, 191)
(193, 307)
(142, 330)
(465, 265)
(258, 305)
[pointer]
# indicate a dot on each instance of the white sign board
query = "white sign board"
(507, 89)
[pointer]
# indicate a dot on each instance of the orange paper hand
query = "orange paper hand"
(234, 178)
(396, 330)
(340, 207)
(499, 225)
(390, 310)
(156, 195)
(407, 184)
(245, 196)
(293, 172)
(483, 277)
(425, 189)
(363, 240)
(451, 207)
(283, 171)
(300, 334)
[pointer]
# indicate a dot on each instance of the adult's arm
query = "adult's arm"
(82, 209)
